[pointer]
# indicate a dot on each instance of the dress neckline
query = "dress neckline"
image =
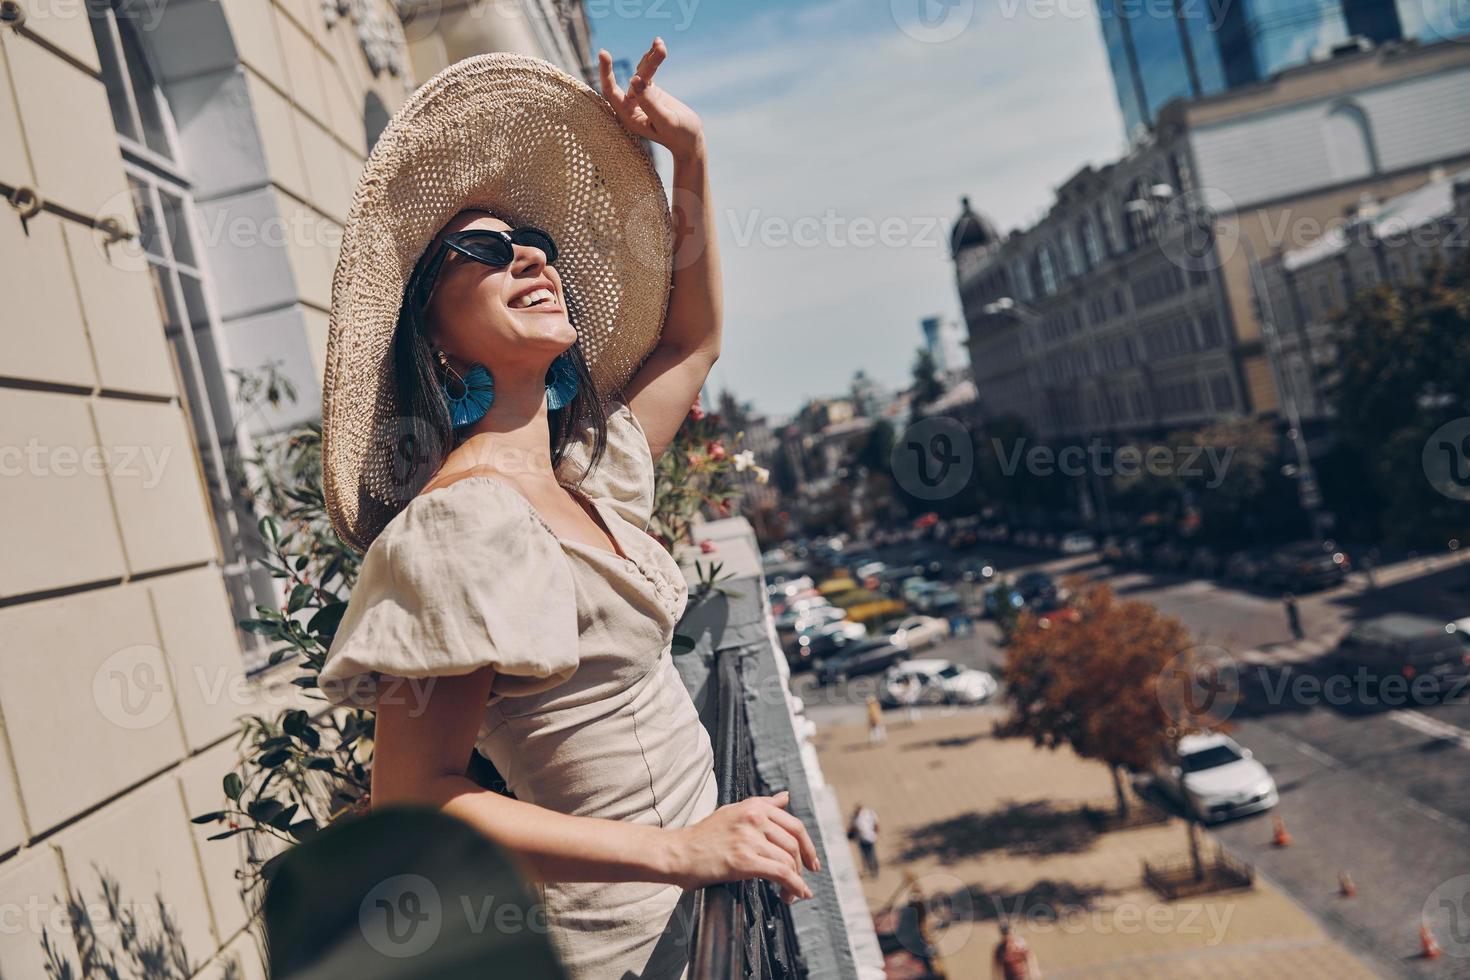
(589, 504)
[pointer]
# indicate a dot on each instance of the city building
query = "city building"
(943, 339)
(178, 175)
(1190, 48)
(1129, 308)
(1394, 241)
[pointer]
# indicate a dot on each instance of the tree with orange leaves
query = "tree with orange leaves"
(1092, 683)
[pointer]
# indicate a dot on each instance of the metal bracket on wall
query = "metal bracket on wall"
(29, 202)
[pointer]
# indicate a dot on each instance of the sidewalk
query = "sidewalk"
(991, 824)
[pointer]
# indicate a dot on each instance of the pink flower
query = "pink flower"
(695, 460)
(716, 449)
(696, 411)
(724, 508)
(706, 546)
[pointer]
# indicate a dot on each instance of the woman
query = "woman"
(506, 361)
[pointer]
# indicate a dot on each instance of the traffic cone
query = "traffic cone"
(1280, 837)
(1345, 886)
(1429, 948)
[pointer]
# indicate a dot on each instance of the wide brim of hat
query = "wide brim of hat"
(519, 137)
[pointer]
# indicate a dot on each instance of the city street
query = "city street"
(1377, 792)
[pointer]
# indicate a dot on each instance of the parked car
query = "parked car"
(938, 682)
(810, 650)
(1408, 646)
(1215, 779)
(818, 616)
(918, 632)
(914, 586)
(1077, 543)
(939, 600)
(799, 610)
(1305, 565)
(1036, 585)
(790, 587)
(1244, 566)
(866, 657)
(974, 570)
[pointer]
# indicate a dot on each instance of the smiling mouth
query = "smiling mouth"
(540, 299)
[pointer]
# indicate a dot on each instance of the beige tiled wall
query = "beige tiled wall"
(120, 672)
(121, 676)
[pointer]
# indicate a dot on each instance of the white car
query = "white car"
(844, 628)
(790, 587)
(818, 616)
(1077, 543)
(1215, 779)
(935, 682)
(918, 632)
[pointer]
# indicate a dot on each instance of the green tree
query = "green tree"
(927, 386)
(1402, 370)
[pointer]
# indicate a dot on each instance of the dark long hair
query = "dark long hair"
(421, 396)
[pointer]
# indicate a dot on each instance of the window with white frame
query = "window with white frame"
(169, 238)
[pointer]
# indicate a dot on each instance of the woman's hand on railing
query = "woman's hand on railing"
(755, 838)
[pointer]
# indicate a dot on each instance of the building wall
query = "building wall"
(1112, 345)
(122, 671)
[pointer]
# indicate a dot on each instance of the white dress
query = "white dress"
(587, 714)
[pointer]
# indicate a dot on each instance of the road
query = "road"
(1380, 792)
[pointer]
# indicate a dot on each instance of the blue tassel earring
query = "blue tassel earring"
(561, 382)
(477, 391)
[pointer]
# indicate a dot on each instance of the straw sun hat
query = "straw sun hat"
(520, 138)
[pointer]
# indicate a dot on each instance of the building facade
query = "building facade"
(1390, 242)
(1190, 48)
(1130, 308)
(178, 175)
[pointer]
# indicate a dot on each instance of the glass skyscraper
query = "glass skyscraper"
(1165, 49)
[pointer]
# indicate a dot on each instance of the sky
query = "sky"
(842, 134)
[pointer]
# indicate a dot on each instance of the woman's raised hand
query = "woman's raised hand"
(647, 110)
(755, 838)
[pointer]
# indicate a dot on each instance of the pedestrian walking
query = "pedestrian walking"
(1014, 958)
(1293, 617)
(863, 828)
(877, 734)
(910, 691)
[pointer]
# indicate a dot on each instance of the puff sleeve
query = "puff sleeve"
(463, 578)
(623, 478)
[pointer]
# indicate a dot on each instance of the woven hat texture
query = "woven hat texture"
(516, 136)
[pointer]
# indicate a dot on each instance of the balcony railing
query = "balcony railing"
(745, 930)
